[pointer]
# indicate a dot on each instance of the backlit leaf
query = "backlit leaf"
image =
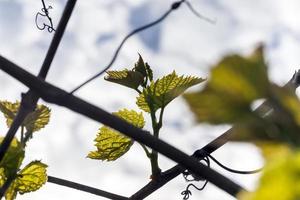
(235, 83)
(38, 119)
(131, 79)
(164, 90)
(271, 150)
(280, 180)
(289, 101)
(209, 106)
(256, 130)
(242, 77)
(280, 124)
(143, 68)
(110, 143)
(10, 193)
(137, 76)
(9, 110)
(31, 177)
(33, 122)
(13, 158)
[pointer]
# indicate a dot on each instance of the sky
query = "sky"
(182, 42)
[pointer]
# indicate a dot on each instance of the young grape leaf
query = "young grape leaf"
(212, 107)
(38, 119)
(10, 193)
(33, 122)
(112, 144)
(9, 110)
(131, 79)
(138, 76)
(149, 71)
(143, 68)
(280, 180)
(234, 84)
(241, 77)
(31, 177)
(164, 90)
(273, 150)
(13, 157)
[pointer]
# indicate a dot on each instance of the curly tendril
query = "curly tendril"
(44, 14)
(205, 157)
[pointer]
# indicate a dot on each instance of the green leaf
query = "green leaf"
(38, 119)
(289, 101)
(13, 157)
(241, 77)
(234, 84)
(9, 110)
(137, 76)
(31, 177)
(10, 193)
(209, 106)
(273, 150)
(164, 90)
(280, 124)
(143, 68)
(280, 180)
(33, 122)
(110, 143)
(131, 79)
(10, 164)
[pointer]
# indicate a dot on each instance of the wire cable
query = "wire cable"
(173, 7)
(195, 12)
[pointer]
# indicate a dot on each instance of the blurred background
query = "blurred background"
(183, 42)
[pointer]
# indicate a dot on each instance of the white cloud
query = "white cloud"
(187, 44)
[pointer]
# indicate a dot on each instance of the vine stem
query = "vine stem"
(148, 154)
(154, 155)
(156, 171)
(55, 95)
(214, 145)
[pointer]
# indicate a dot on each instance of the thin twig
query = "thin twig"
(148, 154)
(60, 97)
(85, 188)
